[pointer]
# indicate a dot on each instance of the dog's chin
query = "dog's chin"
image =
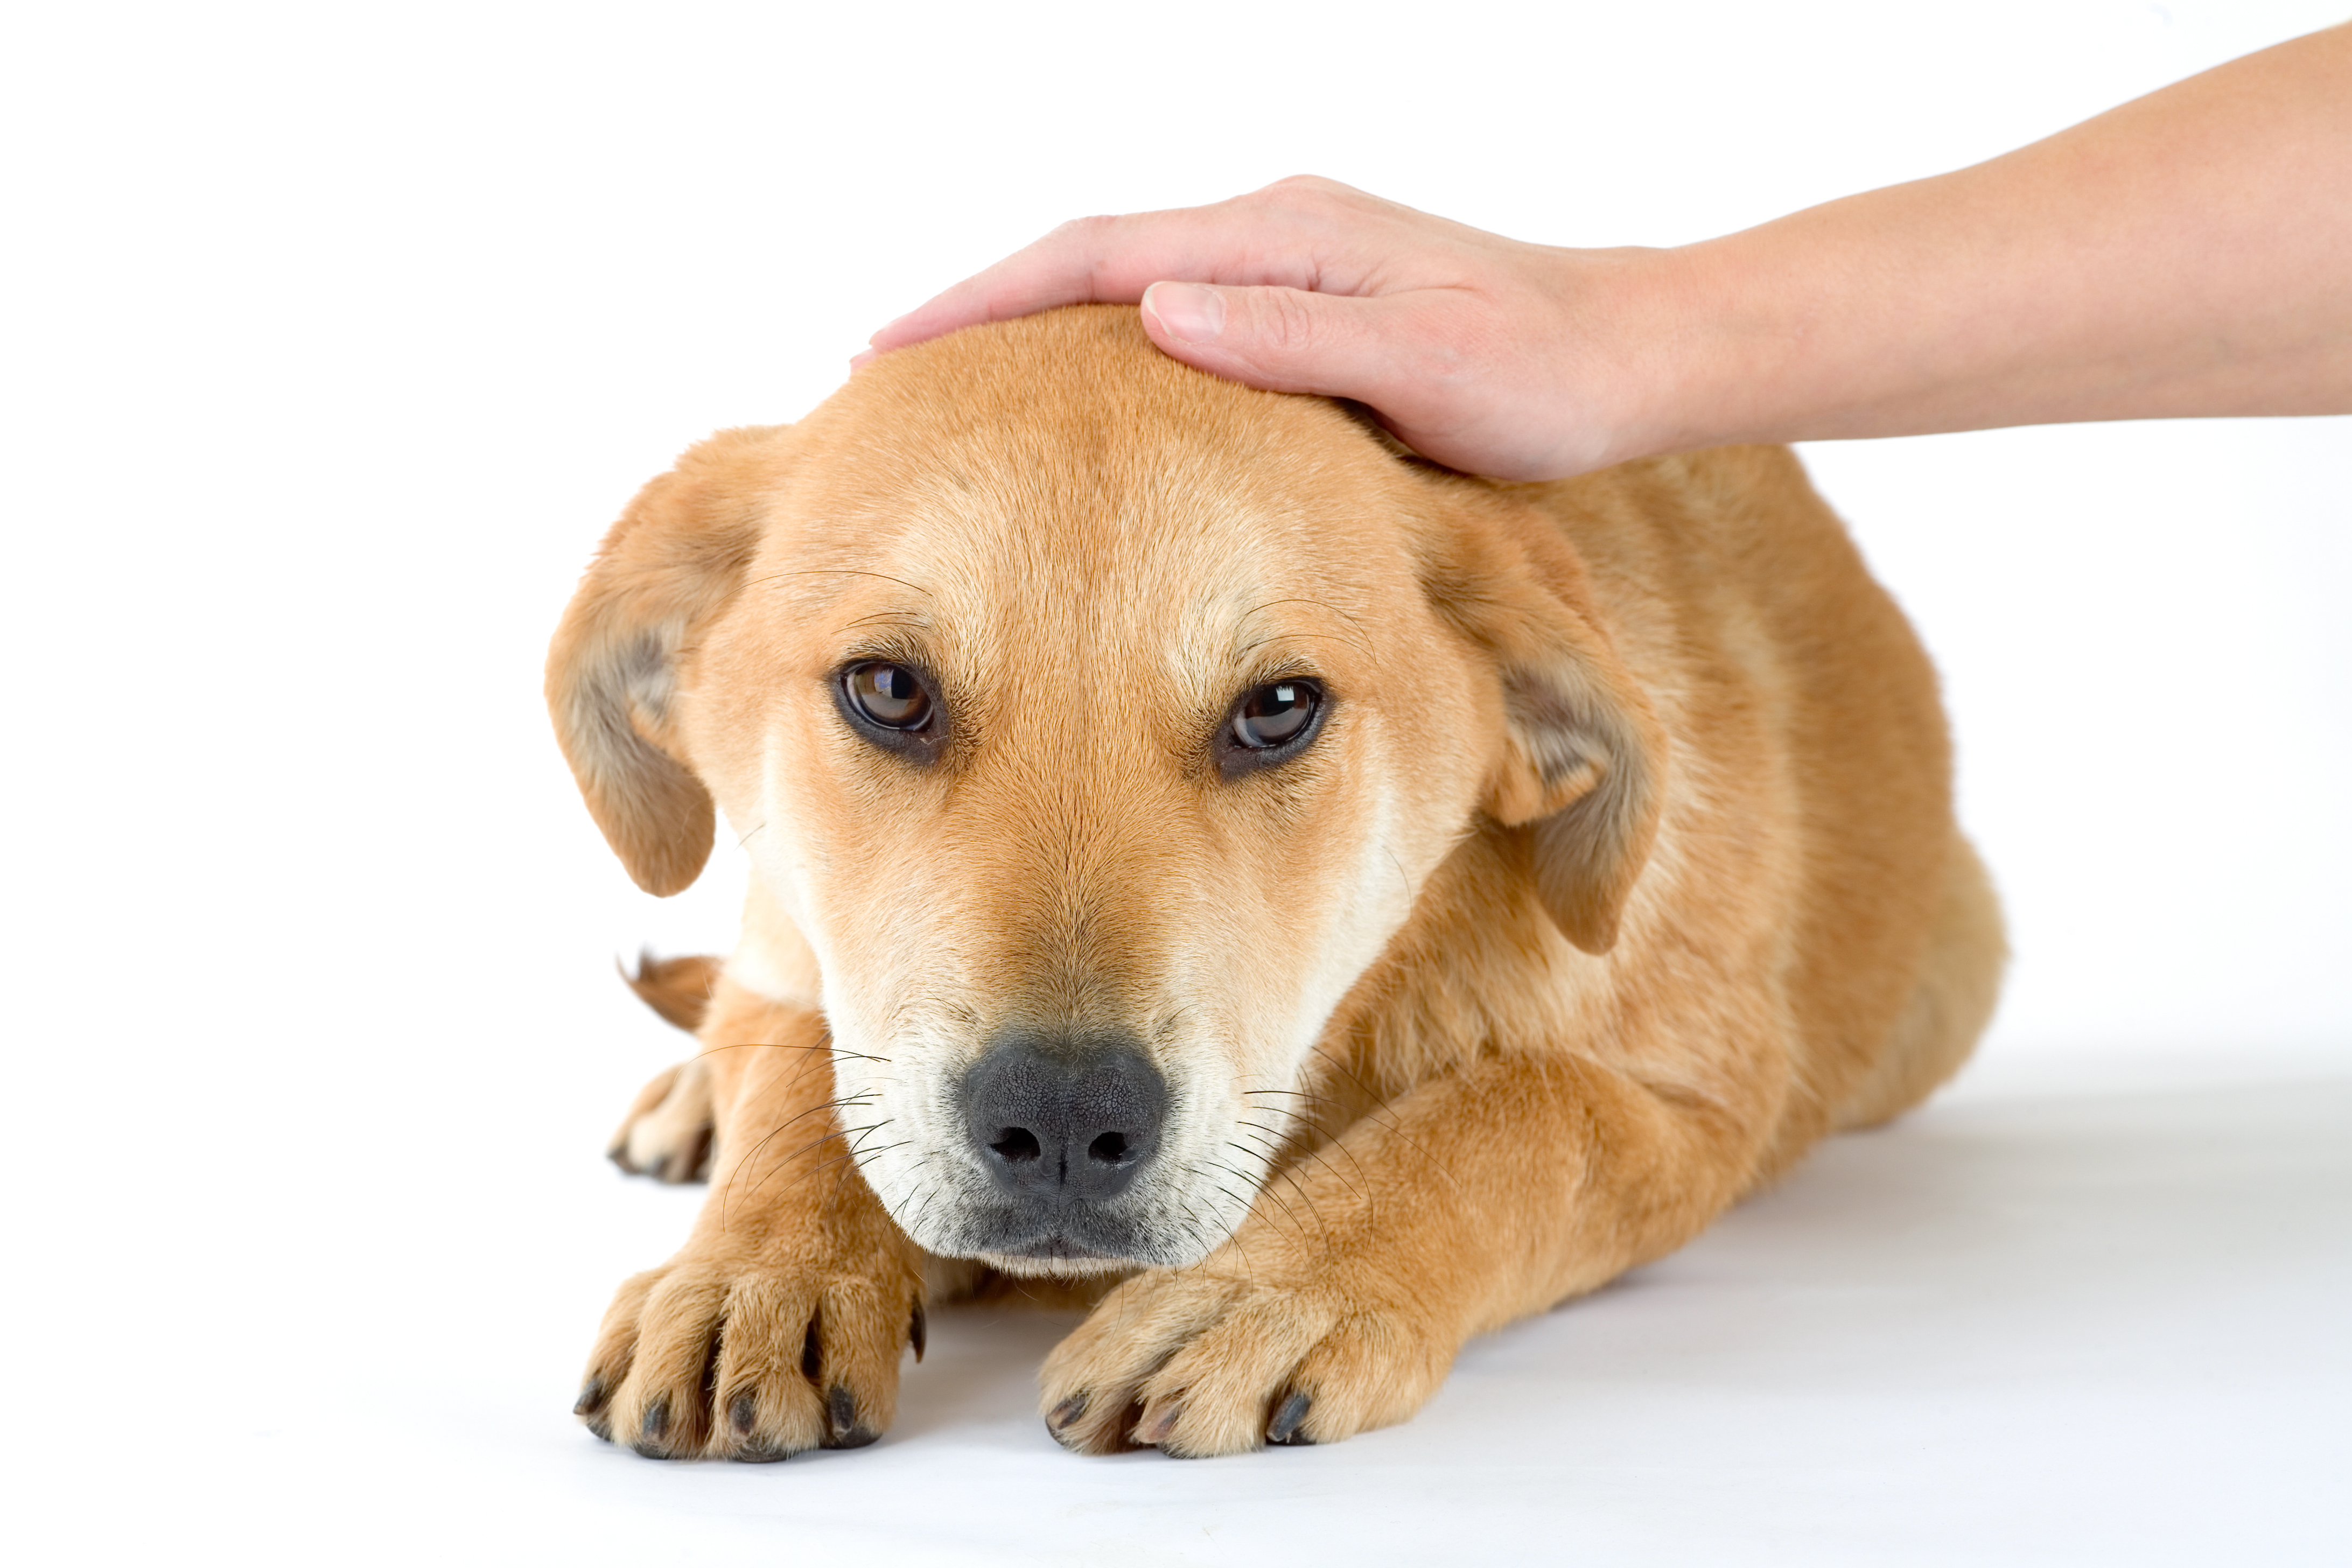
(1054, 1259)
(1056, 1254)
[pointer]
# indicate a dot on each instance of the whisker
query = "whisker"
(796, 1154)
(743, 1163)
(1380, 1104)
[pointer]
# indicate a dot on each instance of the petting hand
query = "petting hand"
(2183, 255)
(1483, 353)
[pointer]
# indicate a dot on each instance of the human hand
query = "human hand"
(1485, 354)
(2180, 257)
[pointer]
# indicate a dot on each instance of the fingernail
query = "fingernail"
(1191, 314)
(860, 361)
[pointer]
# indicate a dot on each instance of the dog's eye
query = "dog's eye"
(889, 696)
(1275, 714)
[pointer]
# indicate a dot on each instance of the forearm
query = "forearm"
(2188, 254)
(787, 1146)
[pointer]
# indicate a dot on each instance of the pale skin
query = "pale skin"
(2188, 254)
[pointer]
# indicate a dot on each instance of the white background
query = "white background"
(333, 336)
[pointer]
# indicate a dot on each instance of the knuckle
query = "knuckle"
(1303, 195)
(1286, 323)
(1084, 230)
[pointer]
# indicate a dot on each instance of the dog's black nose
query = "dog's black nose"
(1064, 1119)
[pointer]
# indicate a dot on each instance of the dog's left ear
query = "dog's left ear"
(1583, 763)
(666, 570)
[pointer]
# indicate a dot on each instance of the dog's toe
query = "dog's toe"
(668, 1133)
(707, 1361)
(1198, 1362)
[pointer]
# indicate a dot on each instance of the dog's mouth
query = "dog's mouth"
(1058, 1257)
(1079, 1239)
(1062, 1249)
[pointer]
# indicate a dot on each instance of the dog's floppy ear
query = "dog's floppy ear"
(666, 568)
(1583, 761)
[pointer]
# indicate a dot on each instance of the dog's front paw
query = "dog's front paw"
(1207, 1360)
(712, 1357)
(668, 1133)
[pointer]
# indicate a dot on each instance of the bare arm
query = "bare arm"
(2188, 254)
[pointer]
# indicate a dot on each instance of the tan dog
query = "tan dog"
(1189, 836)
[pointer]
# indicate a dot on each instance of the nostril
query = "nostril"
(1018, 1144)
(1058, 1119)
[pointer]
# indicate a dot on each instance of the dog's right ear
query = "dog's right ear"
(663, 573)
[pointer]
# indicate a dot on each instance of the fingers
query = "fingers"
(1079, 263)
(1289, 339)
(1479, 353)
(1440, 365)
(1299, 233)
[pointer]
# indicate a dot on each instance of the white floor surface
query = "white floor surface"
(2085, 1309)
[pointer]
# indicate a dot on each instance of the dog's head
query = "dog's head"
(1098, 721)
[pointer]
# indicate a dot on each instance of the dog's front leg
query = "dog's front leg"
(780, 1324)
(1482, 1197)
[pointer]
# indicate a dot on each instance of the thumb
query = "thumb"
(1283, 340)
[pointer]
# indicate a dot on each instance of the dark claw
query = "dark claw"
(1068, 1411)
(592, 1397)
(841, 1405)
(1166, 1423)
(619, 1154)
(744, 1410)
(1287, 1418)
(919, 1331)
(759, 1453)
(652, 1427)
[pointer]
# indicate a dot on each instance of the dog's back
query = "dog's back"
(1798, 668)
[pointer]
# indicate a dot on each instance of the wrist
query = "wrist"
(1658, 357)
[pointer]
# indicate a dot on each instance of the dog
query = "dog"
(1207, 860)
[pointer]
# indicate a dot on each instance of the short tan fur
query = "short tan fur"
(1622, 870)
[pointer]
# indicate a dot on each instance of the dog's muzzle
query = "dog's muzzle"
(1063, 1122)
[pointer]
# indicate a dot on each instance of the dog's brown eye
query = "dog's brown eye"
(889, 694)
(1275, 714)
